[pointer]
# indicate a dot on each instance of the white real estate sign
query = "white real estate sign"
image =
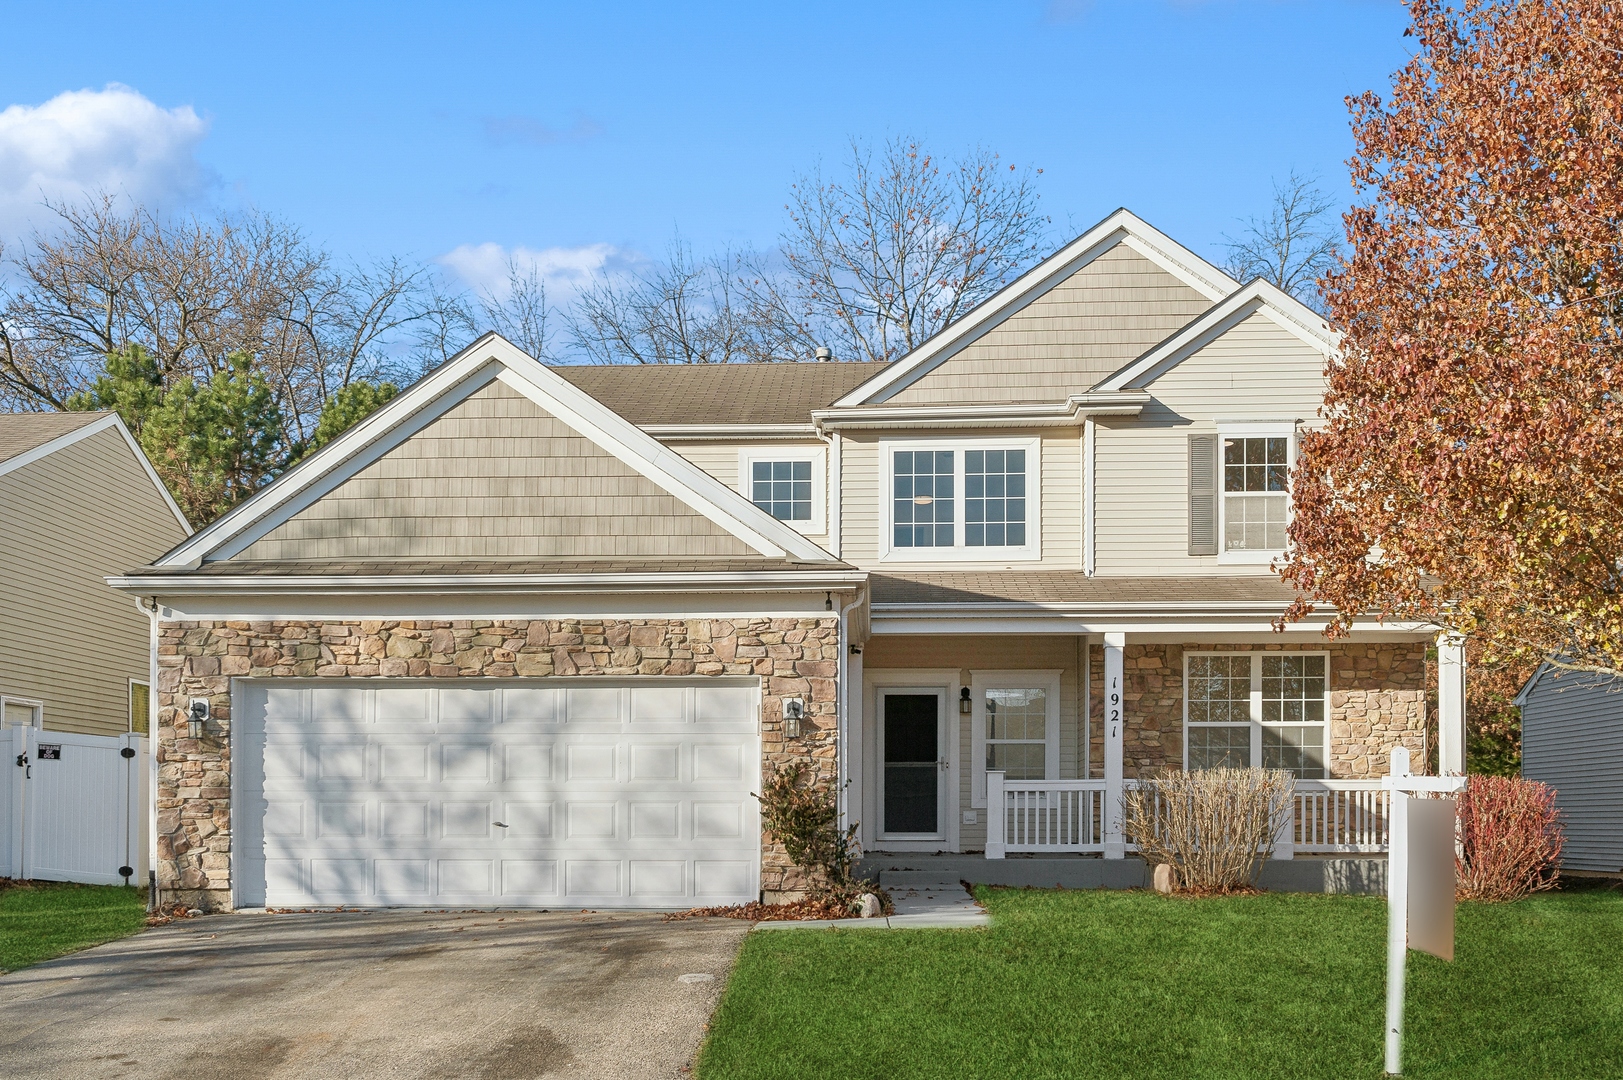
(1419, 883)
(631, 793)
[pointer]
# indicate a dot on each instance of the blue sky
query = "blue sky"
(578, 131)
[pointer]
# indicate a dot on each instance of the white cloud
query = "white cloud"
(566, 271)
(84, 142)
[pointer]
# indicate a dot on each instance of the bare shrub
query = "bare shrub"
(1213, 826)
(805, 817)
(1510, 838)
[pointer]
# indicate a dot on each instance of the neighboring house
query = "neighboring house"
(1572, 739)
(530, 635)
(78, 501)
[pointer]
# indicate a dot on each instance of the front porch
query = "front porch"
(1025, 744)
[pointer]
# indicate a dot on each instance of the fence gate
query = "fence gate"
(73, 807)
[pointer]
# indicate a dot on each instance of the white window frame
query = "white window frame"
(1270, 430)
(1030, 551)
(28, 703)
(817, 455)
(1254, 709)
(1047, 680)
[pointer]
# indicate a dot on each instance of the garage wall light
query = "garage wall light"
(794, 711)
(197, 715)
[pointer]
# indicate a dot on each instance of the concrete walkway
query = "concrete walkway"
(936, 907)
(498, 995)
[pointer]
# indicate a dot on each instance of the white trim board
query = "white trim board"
(1259, 297)
(492, 357)
(1121, 227)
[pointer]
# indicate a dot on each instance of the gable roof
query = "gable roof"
(1121, 227)
(1257, 297)
(675, 394)
(454, 382)
(21, 432)
(27, 437)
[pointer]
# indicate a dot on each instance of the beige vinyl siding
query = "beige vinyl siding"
(496, 477)
(1087, 326)
(67, 521)
(1256, 372)
(969, 653)
(1061, 506)
(720, 459)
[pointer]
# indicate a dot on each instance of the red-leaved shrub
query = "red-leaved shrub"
(1510, 838)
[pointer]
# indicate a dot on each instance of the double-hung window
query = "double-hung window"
(1255, 492)
(1258, 708)
(1014, 728)
(787, 483)
(973, 499)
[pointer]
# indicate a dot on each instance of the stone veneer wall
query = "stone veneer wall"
(1377, 701)
(793, 658)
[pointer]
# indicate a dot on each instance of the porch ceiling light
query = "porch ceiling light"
(923, 500)
(964, 706)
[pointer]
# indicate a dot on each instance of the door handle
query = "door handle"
(944, 764)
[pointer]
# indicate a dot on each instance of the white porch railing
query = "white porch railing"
(1068, 816)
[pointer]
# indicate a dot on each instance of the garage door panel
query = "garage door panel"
(609, 795)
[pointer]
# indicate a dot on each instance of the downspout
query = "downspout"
(843, 694)
(149, 604)
(834, 489)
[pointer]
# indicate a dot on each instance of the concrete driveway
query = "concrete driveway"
(390, 994)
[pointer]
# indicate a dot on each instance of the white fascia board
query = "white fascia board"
(729, 432)
(1259, 297)
(653, 459)
(382, 584)
(332, 462)
(1123, 226)
(1070, 412)
(492, 356)
(95, 427)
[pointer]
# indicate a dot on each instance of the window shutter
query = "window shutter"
(1203, 494)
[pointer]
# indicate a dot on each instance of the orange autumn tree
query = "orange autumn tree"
(1467, 472)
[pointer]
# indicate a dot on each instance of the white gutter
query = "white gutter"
(744, 581)
(1070, 412)
(724, 432)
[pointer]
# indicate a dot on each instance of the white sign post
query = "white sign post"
(1419, 883)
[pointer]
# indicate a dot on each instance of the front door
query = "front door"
(913, 748)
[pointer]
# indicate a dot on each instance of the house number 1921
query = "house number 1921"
(1113, 712)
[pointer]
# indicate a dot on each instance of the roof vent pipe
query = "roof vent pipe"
(824, 354)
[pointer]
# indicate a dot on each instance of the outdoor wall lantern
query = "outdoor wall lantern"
(794, 711)
(196, 716)
(964, 706)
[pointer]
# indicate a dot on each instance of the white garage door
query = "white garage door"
(525, 794)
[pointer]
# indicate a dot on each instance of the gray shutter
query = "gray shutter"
(1203, 494)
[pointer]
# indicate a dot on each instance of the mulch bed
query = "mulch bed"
(796, 911)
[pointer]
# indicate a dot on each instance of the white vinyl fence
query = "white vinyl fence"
(73, 807)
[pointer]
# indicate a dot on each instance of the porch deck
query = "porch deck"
(1358, 874)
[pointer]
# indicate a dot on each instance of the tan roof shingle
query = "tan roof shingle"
(782, 393)
(22, 432)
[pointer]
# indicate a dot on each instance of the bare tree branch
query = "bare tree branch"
(1294, 245)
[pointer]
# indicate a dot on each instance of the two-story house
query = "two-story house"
(531, 635)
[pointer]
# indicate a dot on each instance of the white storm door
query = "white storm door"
(913, 764)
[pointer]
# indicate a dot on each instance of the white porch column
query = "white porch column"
(1451, 704)
(1115, 843)
(997, 816)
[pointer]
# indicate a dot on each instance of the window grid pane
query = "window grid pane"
(1219, 695)
(1293, 693)
(1226, 746)
(782, 489)
(1017, 732)
(1255, 522)
(994, 498)
(922, 499)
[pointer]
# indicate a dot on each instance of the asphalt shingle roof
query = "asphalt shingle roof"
(783, 393)
(22, 432)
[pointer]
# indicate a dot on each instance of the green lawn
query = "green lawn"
(1116, 984)
(39, 920)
